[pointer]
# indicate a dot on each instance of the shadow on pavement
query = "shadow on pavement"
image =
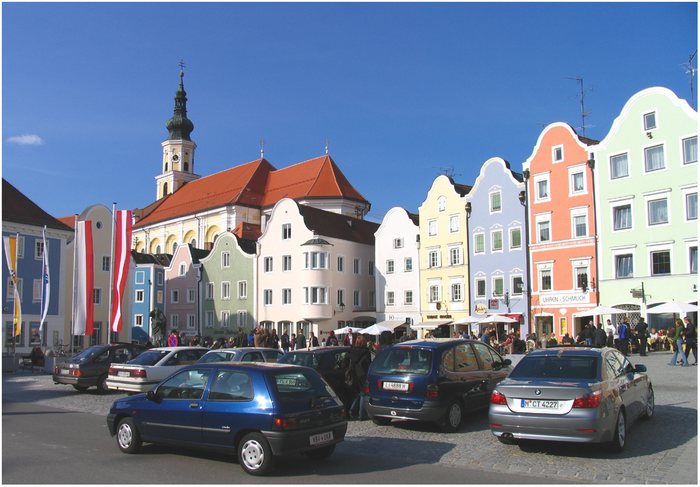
(476, 421)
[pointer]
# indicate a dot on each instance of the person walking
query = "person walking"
(301, 340)
(678, 333)
(285, 341)
(600, 338)
(360, 359)
(313, 341)
(332, 340)
(691, 340)
(642, 329)
(623, 333)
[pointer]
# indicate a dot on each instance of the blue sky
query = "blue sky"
(402, 91)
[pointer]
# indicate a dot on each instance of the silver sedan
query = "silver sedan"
(585, 395)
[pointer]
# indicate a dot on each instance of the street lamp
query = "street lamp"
(523, 197)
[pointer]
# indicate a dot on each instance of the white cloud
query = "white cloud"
(27, 139)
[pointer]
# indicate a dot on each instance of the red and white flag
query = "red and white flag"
(122, 255)
(83, 301)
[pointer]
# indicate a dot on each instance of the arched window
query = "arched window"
(165, 189)
(174, 247)
(157, 249)
(193, 242)
(166, 167)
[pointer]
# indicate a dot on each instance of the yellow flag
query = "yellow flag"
(10, 243)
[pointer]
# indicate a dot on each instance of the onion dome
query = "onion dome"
(180, 127)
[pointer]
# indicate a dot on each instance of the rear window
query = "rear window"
(150, 357)
(299, 385)
(557, 367)
(403, 360)
(306, 359)
(215, 357)
(87, 354)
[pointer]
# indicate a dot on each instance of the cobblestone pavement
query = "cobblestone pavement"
(660, 451)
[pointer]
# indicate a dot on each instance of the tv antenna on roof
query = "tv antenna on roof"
(689, 69)
(448, 171)
(582, 98)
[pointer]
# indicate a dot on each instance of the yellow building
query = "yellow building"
(444, 273)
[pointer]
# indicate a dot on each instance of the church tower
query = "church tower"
(178, 150)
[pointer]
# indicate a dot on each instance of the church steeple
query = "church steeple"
(177, 166)
(180, 127)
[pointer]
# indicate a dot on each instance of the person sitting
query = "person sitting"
(567, 340)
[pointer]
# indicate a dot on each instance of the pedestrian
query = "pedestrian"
(678, 333)
(360, 359)
(623, 331)
(259, 338)
(691, 340)
(332, 340)
(642, 330)
(251, 338)
(599, 337)
(274, 339)
(313, 341)
(588, 333)
(293, 342)
(284, 340)
(301, 340)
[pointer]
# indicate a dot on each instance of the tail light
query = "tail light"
(138, 373)
(588, 402)
(432, 391)
(498, 398)
(76, 372)
(112, 371)
(285, 423)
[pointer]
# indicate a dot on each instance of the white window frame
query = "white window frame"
(38, 249)
(433, 258)
(286, 296)
(620, 204)
(209, 318)
(455, 253)
(648, 199)
(316, 295)
(577, 213)
(574, 171)
(687, 192)
(398, 243)
(210, 290)
(454, 223)
(225, 289)
(268, 264)
(543, 267)
(182, 269)
(495, 250)
(286, 263)
(513, 290)
(191, 322)
(645, 120)
(390, 298)
(555, 149)
(341, 263)
(540, 219)
(483, 243)
(356, 299)
(174, 296)
(139, 277)
(434, 293)
(432, 228)
(36, 290)
(576, 264)
(242, 287)
(139, 296)
(175, 321)
(356, 267)
(610, 166)
(408, 264)
(390, 266)
(494, 287)
(225, 318)
(658, 249)
(456, 292)
(441, 203)
(340, 297)
(493, 210)
(138, 320)
(686, 160)
(688, 247)
(191, 295)
(267, 297)
(226, 259)
(477, 280)
(286, 231)
(621, 252)
(408, 297)
(510, 238)
(537, 179)
(646, 151)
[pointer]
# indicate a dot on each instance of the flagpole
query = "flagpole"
(43, 288)
(75, 265)
(111, 276)
(17, 295)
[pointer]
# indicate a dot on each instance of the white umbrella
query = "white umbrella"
(374, 330)
(467, 320)
(600, 310)
(497, 319)
(347, 329)
(673, 307)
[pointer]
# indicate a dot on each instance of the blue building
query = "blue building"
(23, 218)
(497, 247)
(147, 284)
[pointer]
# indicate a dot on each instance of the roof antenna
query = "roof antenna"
(582, 97)
(262, 148)
(689, 69)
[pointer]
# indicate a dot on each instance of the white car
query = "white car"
(148, 369)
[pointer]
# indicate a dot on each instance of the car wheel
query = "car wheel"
(649, 410)
(321, 453)
(506, 440)
(80, 388)
(128, 437)
(102, 384)
(381, 421)
(255, 454)
(620, 435)
(453, 417)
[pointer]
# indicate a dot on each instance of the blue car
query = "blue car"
(435, 380)
(258, 410)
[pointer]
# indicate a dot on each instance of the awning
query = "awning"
(429, 325)
(392, 323)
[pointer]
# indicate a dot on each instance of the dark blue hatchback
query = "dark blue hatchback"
(434, 380)
(258, 410)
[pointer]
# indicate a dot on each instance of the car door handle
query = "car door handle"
(194, 405)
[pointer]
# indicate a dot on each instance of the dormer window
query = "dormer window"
(442, 203)
(649, 121)
(558, 153)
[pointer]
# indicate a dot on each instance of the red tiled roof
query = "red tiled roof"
(256, 184)
(69, 221)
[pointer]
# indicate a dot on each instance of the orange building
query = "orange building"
(562, 240)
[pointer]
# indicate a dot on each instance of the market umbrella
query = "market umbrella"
(347, 329)
(675, 307)
(468, 320)
(600, 310)
(374, 330)
(497, 319)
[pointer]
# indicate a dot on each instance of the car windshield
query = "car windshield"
(149, 357)
(306, 359)
(87, 354)
(216, 357)
(557, 367)
(403, 360)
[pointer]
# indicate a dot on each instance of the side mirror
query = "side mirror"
(152, 395)
(640, 368)
(506, 362)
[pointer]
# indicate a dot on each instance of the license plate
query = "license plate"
(65, 371)
(123, 373)
(321, 438)
(538, 404)
(395, 386)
